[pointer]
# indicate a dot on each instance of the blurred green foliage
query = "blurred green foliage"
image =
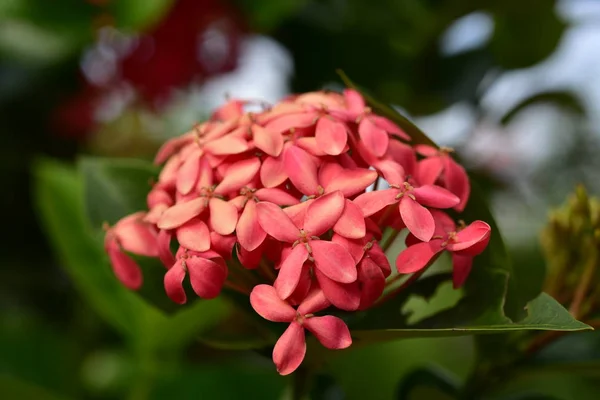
(394, 47)
(69, 330)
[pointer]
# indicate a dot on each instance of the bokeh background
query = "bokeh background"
(513, 86)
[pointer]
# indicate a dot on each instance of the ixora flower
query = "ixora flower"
(288, 207)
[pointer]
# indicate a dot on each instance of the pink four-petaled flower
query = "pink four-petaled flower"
(290, 349)
(464, 244)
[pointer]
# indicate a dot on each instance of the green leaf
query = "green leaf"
(60, 207)
(543, 313)
(58, 190)
(517, 43)
(139, 14)
(114, 188)
(563, 99)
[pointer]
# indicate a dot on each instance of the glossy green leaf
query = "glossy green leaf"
(58, 193)
(563, 99)
(60, 204)
(470, 317)
(114, 188)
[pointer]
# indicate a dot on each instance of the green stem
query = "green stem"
(583, 287)
(385, 245)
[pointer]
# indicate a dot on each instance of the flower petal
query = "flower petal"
(416, 257)
(356, 247)
(456, 180)
(389, 126)
(170, 147)
(163, 244)
(180, 213)
(276, 223)
(443, 223)
(374, 138)
(297, 212)
(267, 304)
(334, 261)
(249, 233)
(435, 196)
(426, 150)
(301, 169)
(471, 240)
(223, 216)
(249, 259)
(188, 173)
(305, 283)
(331, 135)
(372, 202)
(331, 331)
(328, 172)
(158, 196)
(372, 283)
(429, 170)
(222, 244)
(404, 155)
(206, 276)
(194, 235)
(352, 181)
(266, 140)
(323, 213)
(138, 237)
(461, 267)
(230, 110)
(272, 172)
(392, 171)
(378, 256)
(351, 223)
(417, 218)
(227, 145)
(290, 349)
(285, 123)
(124, 267)
(173, 282)
(314, 302)
(310, 145)
(290, 271)
(354, 101)
(238, 175)
(168, 174)
(345, 296)
(205, 177)
(276, 196)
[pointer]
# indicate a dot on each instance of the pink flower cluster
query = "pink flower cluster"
(289, 206)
